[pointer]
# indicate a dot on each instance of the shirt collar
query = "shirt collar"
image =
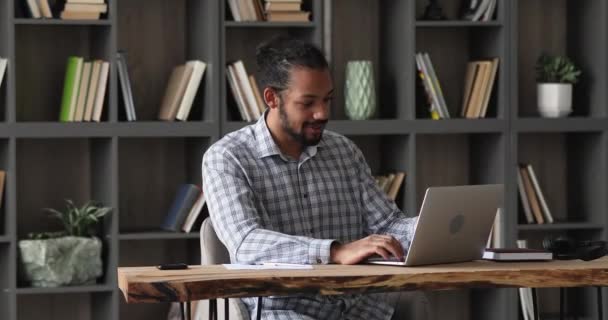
(266, 145)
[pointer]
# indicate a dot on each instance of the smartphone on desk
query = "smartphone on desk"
(172, 266)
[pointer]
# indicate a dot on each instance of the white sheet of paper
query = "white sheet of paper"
(266, 266)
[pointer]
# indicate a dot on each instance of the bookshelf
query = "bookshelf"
(135, 167)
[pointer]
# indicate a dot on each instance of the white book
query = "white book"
(539, 194)
(3, 65)
(426, 83)
(34, 9)
(250, 100)
(101, 91)
(194, 212)
(83, 91)
(437, 86)
(198, 69)
(236, 93)
(234, 8)
(45, 9)
(525, 202)
(92, 91)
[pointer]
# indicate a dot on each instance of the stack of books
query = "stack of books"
(84, 90)
(531, 195)
(246, 10)
(286, 11)
(181, 89)
(84, 9)
(185, 209)
(391, 183)
(245, 91)
(426, 71)
(478, 85)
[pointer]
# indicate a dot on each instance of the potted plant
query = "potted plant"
(555, 76)
(68, 257)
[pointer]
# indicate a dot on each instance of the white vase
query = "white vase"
(554, 99)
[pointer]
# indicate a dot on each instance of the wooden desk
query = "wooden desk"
(148, 284)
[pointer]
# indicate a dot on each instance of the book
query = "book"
(125, 84)
(184, 200)
(86, 7)
(532, 198)
(92, 91)
(3, 67)
(524, 198)
(237, 94)
(516, 254)
(101, 91)
(85, 78)
(2, 182)
(539, 194)
(176, 86)
(288, 16)
(77, 15)
(34, 9)
(70, 88)
(198, 69)
(194, 212)
(45, 9)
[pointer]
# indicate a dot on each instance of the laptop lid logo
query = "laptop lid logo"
(456, 223)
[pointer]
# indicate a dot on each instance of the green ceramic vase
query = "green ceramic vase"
(359, 90)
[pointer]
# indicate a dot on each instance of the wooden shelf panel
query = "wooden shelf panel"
(60, 22)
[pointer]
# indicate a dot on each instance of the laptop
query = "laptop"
(453, 225)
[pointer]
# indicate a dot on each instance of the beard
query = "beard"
(300, 136)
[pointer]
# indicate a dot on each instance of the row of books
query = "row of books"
(245, 91)
(84, 89)
(181, 89)
(531, 196)
(71, 9)
(478, 85)
(272, 10)
(430, 82)
(185, 210)
(391, 183)
(480, 10)
(3, 67)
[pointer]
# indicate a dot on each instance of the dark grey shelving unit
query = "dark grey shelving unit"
(135, 167)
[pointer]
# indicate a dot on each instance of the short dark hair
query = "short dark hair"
(276, 57)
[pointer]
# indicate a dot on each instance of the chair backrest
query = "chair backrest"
(213, 250)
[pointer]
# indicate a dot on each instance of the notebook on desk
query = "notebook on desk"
(453, 225)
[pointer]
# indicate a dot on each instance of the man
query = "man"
(286, 190)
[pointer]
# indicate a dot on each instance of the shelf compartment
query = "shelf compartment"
(138, 253)
(79, 169)
(40, 77)
(67, 305)
(451, 65)
(458, 159)
(388, 154)
(151, 170)
(569, 28)
(174, 34)
(379, 29)
(566, 166)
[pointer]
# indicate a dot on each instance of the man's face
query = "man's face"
(304, 105)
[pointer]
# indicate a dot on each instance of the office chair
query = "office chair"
(409, 305)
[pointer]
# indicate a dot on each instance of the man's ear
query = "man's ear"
(271, 98)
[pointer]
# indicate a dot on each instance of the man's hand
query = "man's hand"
(356, 251)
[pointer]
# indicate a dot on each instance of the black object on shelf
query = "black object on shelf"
(433, 11)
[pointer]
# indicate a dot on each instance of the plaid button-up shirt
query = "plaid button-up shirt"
(267, 207)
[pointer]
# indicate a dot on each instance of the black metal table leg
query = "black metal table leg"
(226, 309)
(187, 312)
(562, 302)
(259, 308)
(535, 304)
(600, 304)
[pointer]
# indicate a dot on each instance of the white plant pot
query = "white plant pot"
(554, 99)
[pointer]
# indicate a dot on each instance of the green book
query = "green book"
(70, 88)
